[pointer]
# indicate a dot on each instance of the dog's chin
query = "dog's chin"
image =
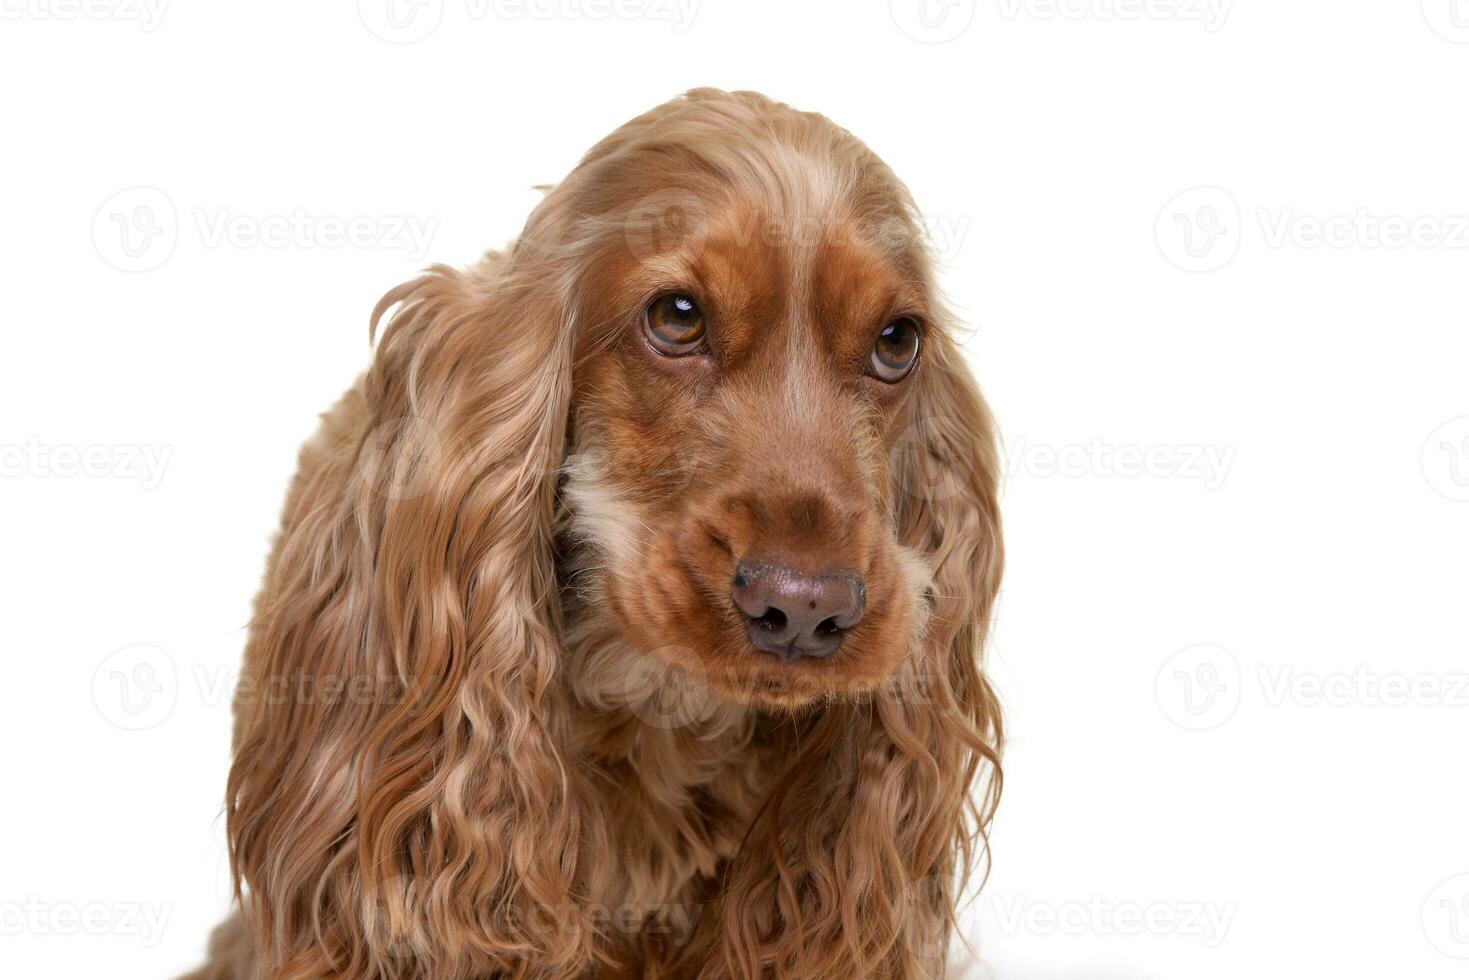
(767, 683)
(735, 674)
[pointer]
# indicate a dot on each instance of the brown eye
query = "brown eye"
(896, 350)
(674, 324)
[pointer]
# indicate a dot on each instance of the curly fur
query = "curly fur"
(446, 762)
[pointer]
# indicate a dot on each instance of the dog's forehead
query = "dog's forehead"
(825, 274)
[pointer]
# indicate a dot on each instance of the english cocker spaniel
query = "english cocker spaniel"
(626, 616)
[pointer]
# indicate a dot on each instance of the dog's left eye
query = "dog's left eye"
(674, 324)
(896, 350)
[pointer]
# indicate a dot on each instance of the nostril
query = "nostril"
(773, 620)
(827, 627)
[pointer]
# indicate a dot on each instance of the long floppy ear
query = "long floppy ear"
(949, 471)
(400, 803)
(939, 727)
(948, 509)
(860, 855)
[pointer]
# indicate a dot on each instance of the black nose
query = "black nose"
(791, 614)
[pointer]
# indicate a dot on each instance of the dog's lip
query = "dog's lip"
(797, 654)
(793, 652)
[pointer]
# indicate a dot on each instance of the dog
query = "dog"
(626, 617)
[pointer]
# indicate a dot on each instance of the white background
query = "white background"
(1238, 505)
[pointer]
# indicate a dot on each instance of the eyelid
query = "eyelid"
(903, 314)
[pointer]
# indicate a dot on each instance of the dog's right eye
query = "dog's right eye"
(674, 325)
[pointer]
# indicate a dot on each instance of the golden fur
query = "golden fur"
(497, 716)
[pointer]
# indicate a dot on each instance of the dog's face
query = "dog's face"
(734, 427)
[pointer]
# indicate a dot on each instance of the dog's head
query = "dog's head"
(710, 403)
(759, 358)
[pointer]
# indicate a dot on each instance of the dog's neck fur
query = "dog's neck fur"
(681, 780)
